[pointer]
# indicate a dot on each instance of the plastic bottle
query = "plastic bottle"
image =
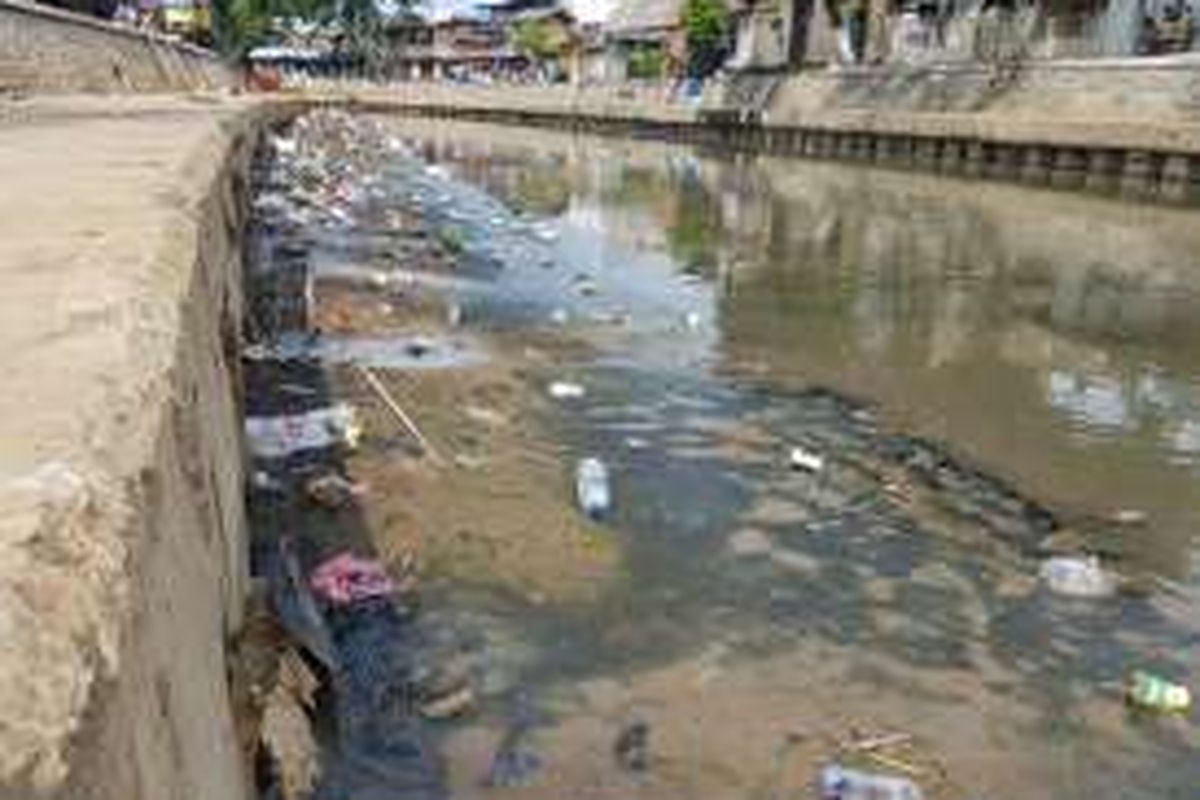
(805, 460)
(1078, 577)
(592, 487)
(838, 783)
(1157, 694)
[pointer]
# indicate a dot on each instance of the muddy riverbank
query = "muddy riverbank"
(754, 620)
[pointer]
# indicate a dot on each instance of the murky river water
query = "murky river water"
(1052, 342)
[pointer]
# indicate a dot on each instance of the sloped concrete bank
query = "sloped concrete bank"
(43, 49)
(123, 569)
(1126, 128)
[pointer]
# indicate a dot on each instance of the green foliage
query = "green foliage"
(704, 22)
(543, 192)
(694, 239)
(539, 39)
(706, 28)
(242, 25)
(646, 63)
(452, 240)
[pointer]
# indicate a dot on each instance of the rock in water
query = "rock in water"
(632, 748)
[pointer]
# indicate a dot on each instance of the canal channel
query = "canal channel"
(976, 378)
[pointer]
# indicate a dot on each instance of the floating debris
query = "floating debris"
(333, 491)
(805, 460)
(419, 347)
(564, 390)
(287, 732)
(592, 488)
(838, 783)
(449, 706)
(1074, 576)
(632, 747)
(750, 542)
(277, 437)
(398, 412)
(346, 579)
(1130, 517)
(266, 482)
(1151, 692)
(284, 146)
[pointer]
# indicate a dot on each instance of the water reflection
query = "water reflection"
(1053, 338)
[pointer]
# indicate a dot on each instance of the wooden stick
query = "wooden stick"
(388, 400)
(1173, 587)
(880, 742)
(895, 763)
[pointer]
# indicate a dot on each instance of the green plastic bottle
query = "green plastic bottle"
(1157, 694)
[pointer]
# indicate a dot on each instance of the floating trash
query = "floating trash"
(592, 487)
(333, 491)
(1074, 576)
(346, 579)
(563, 390)
(838, 783)
(1149, 691)
(284, 146)
(632, 747)
(805, 460)
(277, 437)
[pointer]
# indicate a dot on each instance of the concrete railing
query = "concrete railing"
(43, 49)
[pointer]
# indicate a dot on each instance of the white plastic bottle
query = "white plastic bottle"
(592, 487)
(837, 783)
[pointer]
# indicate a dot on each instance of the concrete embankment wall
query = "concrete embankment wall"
(123, 567)
(1129, 127)
(46, 50)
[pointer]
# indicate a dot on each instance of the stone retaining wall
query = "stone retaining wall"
(43, 49)
(1129, 128)
(123, 545)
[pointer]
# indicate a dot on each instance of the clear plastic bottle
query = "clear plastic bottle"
(838, 783)
(1078, 577)
(592, 487)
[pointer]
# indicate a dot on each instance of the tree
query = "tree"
(239, 25)
(705, 27)
(536, 39)
(242, 25)
(646, 62)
